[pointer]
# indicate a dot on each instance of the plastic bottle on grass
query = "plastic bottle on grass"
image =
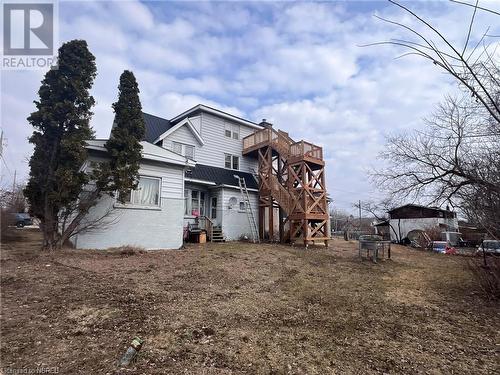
(131, 352)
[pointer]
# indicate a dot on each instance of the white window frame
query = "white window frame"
(213, 209)
(232, 131)
(188, 203)
(233, 158)
(227, 130)
(239, 206)
(129, 204)
(184, 147)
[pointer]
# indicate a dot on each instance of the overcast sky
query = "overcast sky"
(299, 65)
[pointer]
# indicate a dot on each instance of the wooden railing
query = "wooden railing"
(280, 141)
(281, 194)
(204, 222)
(306, 149)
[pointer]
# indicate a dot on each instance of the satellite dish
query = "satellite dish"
(232, 202)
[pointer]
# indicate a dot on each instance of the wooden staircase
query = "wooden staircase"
(214, 232)
(217, 235)
(292, 179)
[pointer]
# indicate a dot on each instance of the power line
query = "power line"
(6, 166)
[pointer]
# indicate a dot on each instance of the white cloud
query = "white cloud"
(298, 65)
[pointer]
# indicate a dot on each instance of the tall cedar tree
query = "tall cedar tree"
(128, 130)
(120, 173)
(61, 124)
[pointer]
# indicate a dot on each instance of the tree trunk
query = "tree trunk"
(70, 229)
(50, 217)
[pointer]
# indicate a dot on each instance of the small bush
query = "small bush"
(487, 276)
(126, 250)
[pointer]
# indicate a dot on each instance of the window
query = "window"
(177, 147)
(232, 131)
(213, 208)
(242, 206)
(231, 161)
(189, 151)
(194, 203)
(183, 149)
(227, 161)
(146, 194)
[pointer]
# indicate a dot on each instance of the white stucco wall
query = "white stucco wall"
(149, 228)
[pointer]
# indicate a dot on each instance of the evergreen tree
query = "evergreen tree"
(120, 173)
(128, 130)
(61, 124)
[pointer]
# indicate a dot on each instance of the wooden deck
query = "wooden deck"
(291, 179)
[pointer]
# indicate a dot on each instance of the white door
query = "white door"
(214, 215)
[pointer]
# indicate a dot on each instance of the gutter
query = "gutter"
(238, 188)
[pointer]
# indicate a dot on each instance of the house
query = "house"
(404, 219)
(189, 170)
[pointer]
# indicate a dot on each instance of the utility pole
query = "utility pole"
(359, 216)
(14, 182)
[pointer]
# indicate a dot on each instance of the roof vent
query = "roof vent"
(265, 124)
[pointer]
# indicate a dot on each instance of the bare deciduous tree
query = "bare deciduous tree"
(456, 158)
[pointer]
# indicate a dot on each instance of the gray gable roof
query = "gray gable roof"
(220, 176)
(155, 126)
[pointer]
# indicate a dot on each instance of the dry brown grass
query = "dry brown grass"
(240, 308)
(487, 276)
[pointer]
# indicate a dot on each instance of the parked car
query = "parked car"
(489, 247)
(442, 247)
(22, 218)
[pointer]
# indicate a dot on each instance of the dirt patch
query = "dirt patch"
(239, 308)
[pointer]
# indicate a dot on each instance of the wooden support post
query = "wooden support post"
(280, 210)
(305, 232)
(271, 220)
(281, 225)
(261, 221)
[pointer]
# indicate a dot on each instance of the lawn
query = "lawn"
(238, 308)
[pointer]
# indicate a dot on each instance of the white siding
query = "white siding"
(196, 121)
(404, 226)
(172, 178)
(216, 143)
(155, 228)
(182, 135)
(235, 222)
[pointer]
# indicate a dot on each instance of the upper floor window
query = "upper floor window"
(146, 194)
(231, 161)
(183, 149)
(232, 131)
